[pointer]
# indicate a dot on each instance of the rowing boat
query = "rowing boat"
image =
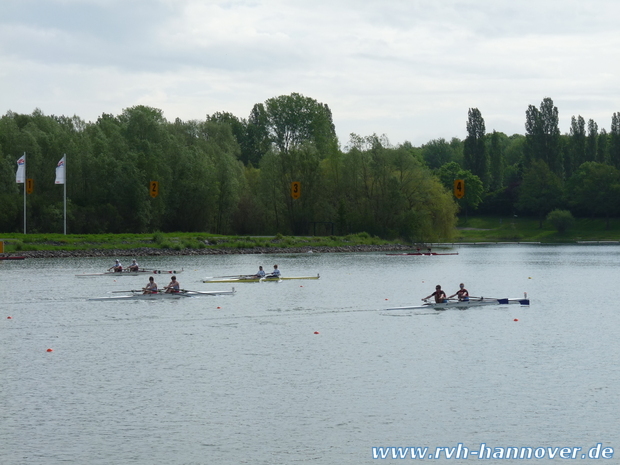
(140, 272)
(462, 304)
(138, 295)
(254, 279)
(12, 257)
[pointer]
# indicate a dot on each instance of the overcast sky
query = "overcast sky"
(408, 69)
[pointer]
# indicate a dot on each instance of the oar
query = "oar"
(131, 290)
(231, 276)
(494, 298)
(204, 292)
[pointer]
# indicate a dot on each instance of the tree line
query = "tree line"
(232, 175)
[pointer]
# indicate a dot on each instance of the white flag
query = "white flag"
(20, 176)
(60, 171)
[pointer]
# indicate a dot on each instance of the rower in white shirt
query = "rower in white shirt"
(275, 273)
(117, 267)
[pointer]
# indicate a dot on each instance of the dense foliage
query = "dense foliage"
(229, 175)
(221, 175)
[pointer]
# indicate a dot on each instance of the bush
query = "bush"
(561, 220)
(159, 238)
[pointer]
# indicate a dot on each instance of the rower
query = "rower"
(440, 296)
(151, 287)
(275, 273)
(462, 293)
(134, 265)
(117, 267)
(260, 273)
(174, 286)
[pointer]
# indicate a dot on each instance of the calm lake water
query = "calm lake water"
(245, 379)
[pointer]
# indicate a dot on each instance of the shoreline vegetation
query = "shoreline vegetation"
(483, 230)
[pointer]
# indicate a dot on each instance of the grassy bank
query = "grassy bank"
(478, 229)
(15, 243)
(510, 229)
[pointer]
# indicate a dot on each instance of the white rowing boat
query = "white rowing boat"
(462, 304)
(254, 279)
(138, 295)
(140, 272)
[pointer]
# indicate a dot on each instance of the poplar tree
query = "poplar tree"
(577, 146)
(614, 141)
(592, 141)
(496, 158)
(542, 136)
(475, 154)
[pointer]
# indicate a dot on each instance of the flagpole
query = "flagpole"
(25, 192)
(65, 185)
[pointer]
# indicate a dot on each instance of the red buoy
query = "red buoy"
(50, 350)
(516, 319)
(9, 317)
(316, 332)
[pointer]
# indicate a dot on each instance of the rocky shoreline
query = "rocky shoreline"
(152, 252)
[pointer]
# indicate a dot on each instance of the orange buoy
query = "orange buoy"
(50, 350)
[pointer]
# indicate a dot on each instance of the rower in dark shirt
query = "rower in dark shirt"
(462, 293)
(440, 296)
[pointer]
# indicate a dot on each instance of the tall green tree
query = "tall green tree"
(294, 120)
(496, 161)
(475, 154)
(257, 142)
(592, 141)
(542, 136)
(614, 141)
(577, 145)
(602, 150)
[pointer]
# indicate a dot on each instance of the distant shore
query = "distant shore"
(158, 252)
